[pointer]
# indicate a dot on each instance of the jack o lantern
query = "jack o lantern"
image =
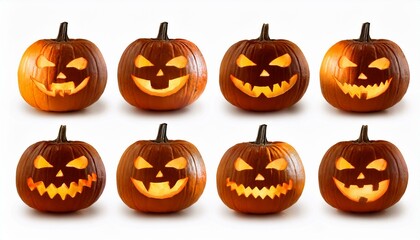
(161, 73)
(362, 175)
(260, 177)
(60, 175)
(161, 175)
(364, 75)
(263, 74)
(62, 74)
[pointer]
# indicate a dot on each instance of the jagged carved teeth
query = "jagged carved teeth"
(160, 190)
(63, 190)
(271, 192)
(174, 86)
(368, 92)
(62, 89)
(368, 192)
(269, 91)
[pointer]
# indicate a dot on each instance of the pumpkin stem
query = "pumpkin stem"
(364, 35)
(163, 32)
(264, 33)
(262, 135)
(62, 33)
(363, 135)
(161, 137)
(61, 135)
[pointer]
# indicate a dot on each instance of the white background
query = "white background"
(211, 123)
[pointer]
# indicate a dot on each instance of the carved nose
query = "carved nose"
(160, 73)
(59, 174)
(61, 76)
(264, 74)
(259, 177)
(362, 76)
(159, 174)
(361, 176)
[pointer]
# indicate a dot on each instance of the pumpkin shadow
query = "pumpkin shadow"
(394, 110)
(134, 111)
(292, 110)
(389, 213)
(89, 212)
(95, 109)
(185, 213)
(285, 215)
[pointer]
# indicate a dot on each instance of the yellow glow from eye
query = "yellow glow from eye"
(342, 163)
(42, 62)
(140, 163)
(283, 61)
(381, 63)
(177, 163)
(141, 61)
(378, 164)
(243, 61)
(278, 164)
(78, 63)
(40, 162)
(344, 62)
(241, 165)
(178, 62)
(79, 163)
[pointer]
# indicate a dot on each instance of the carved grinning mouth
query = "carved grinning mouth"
(271, 192)
(174, 86)
(368, 92)
(160, 190)
(268, 91)
(63, 190)
(66, 88)
(365, 193)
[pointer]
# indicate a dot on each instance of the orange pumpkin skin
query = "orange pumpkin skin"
(150, 77)
(362, 175)
(255, 76)
(62, 74)
(161, 176)
(271, 173)
(60, 175)
(364, 75)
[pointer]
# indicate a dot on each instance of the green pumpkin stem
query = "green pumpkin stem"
(163, 32)
(363, 138)
(62, 33)
(264, 33)
(161, 137)
(364, 35)
(262, 135)
(61, 135)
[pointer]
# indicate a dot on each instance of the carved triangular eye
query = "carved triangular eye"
(344, 62)
(342, 163)
(378, 164)
(79, 163)
(381, 63)
(78, 63)
(241, 165)
(42, 62)
(178, 62)
(283, 61)
(243, 61)
(40, 162)
(278, 164)
(141, 61)
(140, 163)
(177, 163)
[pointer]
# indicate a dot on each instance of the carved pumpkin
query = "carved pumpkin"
(263, 74)
(260, 177)
(161, 73)
(161, 175)
(60, 175)
(62, 74)
(364, 75)
(362, 175)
